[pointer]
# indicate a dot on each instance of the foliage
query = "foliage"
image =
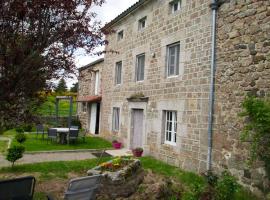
(226, 187)
(20, 137)
(137, 95)
(115, 164)
(257, 129)
(15, 153)
(38, 42)
(138, 149)
(3, 146)
(61, 87)
(76, 122)
(74, 87)
(27, 127)
(211, 178)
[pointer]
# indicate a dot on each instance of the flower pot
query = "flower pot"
(117, 145)
(137, 153)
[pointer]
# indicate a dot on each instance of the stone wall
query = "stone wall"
(243, 66)
(87, 88)
(187, 93)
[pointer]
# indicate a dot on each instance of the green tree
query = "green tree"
(74, 87)
(62, 86)
(15, 153)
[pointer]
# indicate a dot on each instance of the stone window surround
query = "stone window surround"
(120, 35)
(177, 64)
(144, 49)
(138, 57)
(120, 106)
(119, 58)
(115, 75)
(142, 106)
(141, 22)
(114, 119)
(184, 56)
(182, 7)
(165, 120)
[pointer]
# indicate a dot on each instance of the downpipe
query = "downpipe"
(214, 7)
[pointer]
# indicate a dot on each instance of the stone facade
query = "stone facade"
(87, 88)
(243, 66)
(186, 93)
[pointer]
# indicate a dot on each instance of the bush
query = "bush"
(27, 127)
(19, 130)
(20, 137)
(226, 187)
(15, 153)
(211, 178)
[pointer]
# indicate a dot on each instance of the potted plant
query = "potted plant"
(116, 144)
(137, 152)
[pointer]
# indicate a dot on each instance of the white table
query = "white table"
(63, 132)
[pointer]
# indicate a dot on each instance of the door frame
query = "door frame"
(133, 106)
(98, 117)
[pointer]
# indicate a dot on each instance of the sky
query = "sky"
(107, 12)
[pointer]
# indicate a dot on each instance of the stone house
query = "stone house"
(155, 91)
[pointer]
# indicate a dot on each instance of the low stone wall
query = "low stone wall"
(121, 183)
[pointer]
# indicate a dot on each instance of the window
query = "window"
(96, 82)
(173, 56)
(175, 5)
(116, 118)
(120, 35)
(142, 23)
(84, 107)
(170, 127)
(140, 63)
(118, 73)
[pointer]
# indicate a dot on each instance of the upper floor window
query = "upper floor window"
(115, 119)
(142, 23)
(173, 57)
(118, 73)
(140, 64)
(175, 5)
(97, 82)
(170, 127)
(120, 35)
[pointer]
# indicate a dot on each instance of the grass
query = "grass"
(52, 170)
(33, 143)
(48, 107)
(3, 146)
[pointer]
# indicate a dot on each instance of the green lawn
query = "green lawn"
(3, 146)
(37, 144)
(53, 170)
(48, 107)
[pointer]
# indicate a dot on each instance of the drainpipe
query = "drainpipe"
(214, 7)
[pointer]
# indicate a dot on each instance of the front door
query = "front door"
(137, 128)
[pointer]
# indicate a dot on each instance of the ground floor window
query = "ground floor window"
(84, 107)
(170, 127)
(115, 119)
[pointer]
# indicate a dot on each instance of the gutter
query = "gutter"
(214, 7)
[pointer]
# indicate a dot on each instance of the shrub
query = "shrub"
(15, 153)
(211, 178)
(226, 187)
(257, 129)
(19, 130)
(20, 137)
(27, 127)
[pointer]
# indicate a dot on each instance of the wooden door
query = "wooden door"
(137, 128)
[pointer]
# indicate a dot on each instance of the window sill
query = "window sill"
(171, 77)
(170, 143)
(139, 81)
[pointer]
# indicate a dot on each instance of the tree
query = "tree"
(37, 43)
(74, 87)
(15, 153)
(62, 86)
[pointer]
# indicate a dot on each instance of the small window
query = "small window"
(142, 23)
(170, 127)
(118, 73)
(115, 120)
(175, 5)
(97, 85)
(173, 56)
(120, 35)
(84, 107)
(140, 64)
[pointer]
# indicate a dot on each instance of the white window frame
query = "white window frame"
(170, 127)
(142, 22)
(115, 115)
(176, 60)
(97, 82)
(139, 70)
(175, 3)
(120, 35)
(118, 73)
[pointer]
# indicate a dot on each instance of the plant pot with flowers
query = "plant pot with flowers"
(116, 144)
(137, 152)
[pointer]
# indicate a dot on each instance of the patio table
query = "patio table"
(63, 132)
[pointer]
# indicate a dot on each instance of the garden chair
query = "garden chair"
(73, 134)
(40, 130)
(83, 188)
(18, 188)
(52, 134)
(74, 127)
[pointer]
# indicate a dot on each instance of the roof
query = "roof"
(91, 64)
(125, 13)
(89, 99)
